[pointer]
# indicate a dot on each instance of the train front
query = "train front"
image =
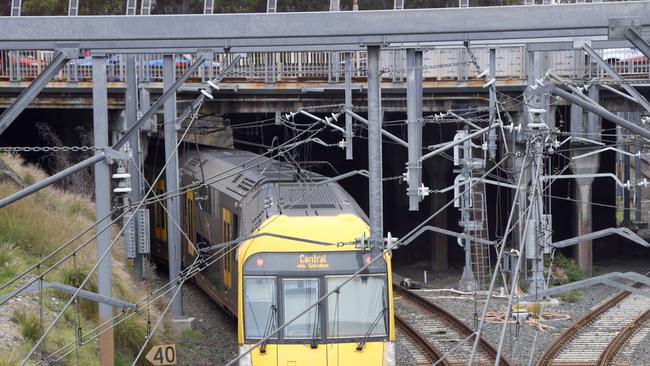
(281, 278)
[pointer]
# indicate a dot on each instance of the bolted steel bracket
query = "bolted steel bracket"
(617, 26)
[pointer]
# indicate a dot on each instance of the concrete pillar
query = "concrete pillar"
(583, 252)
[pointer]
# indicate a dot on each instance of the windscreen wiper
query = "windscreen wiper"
(270, 324)
(314, 333)
(369, 332)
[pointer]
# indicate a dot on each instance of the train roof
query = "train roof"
(264, 185)
(236, 172)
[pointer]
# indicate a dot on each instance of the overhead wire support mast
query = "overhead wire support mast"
(375, 197)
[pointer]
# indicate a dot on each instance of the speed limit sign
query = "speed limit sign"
(162, 355)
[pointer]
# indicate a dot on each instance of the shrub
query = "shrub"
(30, 325)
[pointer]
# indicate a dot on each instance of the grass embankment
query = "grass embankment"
(29, 230)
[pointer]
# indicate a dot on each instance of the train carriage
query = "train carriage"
(269, 280)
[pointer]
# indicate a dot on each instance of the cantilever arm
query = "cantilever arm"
(622, 231)
(458, 142)
(383, 132)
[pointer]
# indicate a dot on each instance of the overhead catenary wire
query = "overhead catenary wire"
(100, 258)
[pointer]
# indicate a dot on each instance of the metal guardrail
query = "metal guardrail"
(438, 64)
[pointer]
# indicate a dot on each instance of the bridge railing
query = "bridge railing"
(438, 64)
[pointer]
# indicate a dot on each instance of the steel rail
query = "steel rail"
(617, 345)
(564, 340)
(451, 320)
(425, 347)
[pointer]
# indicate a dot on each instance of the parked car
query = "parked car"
(627, 60)
(84, 67)
(180, 62)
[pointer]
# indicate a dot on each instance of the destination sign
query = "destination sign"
(330, 262)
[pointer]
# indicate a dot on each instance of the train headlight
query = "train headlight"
(389, 354)
(248, 359)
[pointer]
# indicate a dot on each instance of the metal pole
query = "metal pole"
(383, 132)
(467, 279)
(171, 175)
(492, 135)
(626, 192)
(414, 132)
(600, 111)
(102, 206)
(374, 148)
(637, 180)
(131, 112)
(348, 105)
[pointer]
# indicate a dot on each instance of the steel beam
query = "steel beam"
(451, 144)
(168, 93)
(640, 99)
(171, 184)
(247, 32)
(73, 8)
(131, 114)
(592, 107)
(35, 87)
(70, 290)
(51, 179)
(622, 231)
(349, 133)
(102, 207)
(413, 166)
(606, 278)
(637, 40)
(383, 132)
(492, 135)
(374, 149)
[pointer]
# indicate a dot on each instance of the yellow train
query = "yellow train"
(268, 280)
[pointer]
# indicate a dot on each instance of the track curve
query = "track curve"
(588, 340)
(445, 333)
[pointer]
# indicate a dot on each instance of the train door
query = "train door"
(159, 242)
(189, 214)
(227, 235)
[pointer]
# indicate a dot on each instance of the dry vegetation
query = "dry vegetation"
(32, 228)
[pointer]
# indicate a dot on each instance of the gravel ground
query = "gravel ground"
(520, 341)
(213, 339)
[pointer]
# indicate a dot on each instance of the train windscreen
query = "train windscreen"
(278, 287)
(359, 308)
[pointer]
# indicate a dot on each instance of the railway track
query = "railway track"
(431, 332)
(620, 350)
(604, 336)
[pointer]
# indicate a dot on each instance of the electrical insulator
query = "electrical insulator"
(124, 184)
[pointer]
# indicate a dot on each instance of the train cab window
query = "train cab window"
(360, 308)
(260, 306)
(298, 294)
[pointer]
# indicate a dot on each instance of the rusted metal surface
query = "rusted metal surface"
(619, 350)
(442, 330)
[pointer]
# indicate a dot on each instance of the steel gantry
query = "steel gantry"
(550, 26)
(542, 28)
